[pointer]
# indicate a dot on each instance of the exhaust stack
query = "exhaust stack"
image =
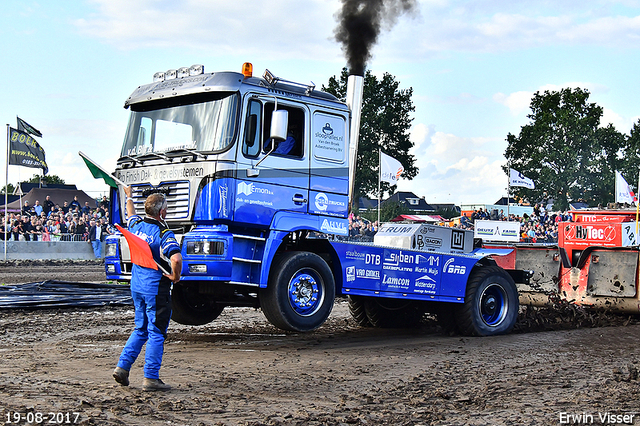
(355, 85)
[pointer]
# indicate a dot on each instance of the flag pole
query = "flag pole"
(6, 197)
(379, 179)
(637, 207)
(615, 187)
(508, 193)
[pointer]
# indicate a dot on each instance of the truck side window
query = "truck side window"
(294, 144)
(251, 143)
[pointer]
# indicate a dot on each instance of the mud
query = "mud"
(240, 370)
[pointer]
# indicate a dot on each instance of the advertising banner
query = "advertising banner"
(25, 151)
(497, 230)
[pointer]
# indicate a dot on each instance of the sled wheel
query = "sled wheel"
(392, 313)
(192, 308)
(300, 292)
(356, 308)
(490, 305)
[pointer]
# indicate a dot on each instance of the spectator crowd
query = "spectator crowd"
(539, 227)
(49, 221)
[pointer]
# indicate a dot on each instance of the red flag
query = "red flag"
(139, 249)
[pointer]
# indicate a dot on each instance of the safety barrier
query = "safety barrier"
(48, 250)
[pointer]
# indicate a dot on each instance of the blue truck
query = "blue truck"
(258, 174)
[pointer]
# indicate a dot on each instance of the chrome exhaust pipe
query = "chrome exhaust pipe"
(355, 85)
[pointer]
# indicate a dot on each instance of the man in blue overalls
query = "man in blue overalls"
(151, 292)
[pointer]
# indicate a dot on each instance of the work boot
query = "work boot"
(121, 375)
(154, 385)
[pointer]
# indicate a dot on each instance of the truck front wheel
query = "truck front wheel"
(189, 307)
(300, 292)
(490, 305)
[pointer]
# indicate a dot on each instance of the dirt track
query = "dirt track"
(241, 370)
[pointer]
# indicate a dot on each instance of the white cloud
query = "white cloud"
(456, 169)
(517, 102)
(222, 27)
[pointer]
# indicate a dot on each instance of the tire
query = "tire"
(490, 305)
(191, 308)
(392, 313)
(356, 308)
(300, 292)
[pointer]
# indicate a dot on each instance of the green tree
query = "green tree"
(9, 188)
(566, 153)
(48, 179)
(384, 124)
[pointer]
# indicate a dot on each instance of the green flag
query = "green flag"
(98, 172)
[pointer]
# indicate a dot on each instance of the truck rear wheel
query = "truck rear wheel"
(356, 308)
(392, 313)
(189, 307)
(300, 292)
(490, 305)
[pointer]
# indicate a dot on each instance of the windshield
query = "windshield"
(205, 126)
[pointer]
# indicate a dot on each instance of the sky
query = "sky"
(69, 66)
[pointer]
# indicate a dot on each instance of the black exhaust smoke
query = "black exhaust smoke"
(360, 23)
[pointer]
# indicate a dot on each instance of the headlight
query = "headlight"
(205, 248)
(111, 269)
(111, 250)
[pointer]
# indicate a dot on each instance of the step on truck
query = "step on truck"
(258, 174)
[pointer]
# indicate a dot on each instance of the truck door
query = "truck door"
(280, 181)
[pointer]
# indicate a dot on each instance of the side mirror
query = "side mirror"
(279, 124)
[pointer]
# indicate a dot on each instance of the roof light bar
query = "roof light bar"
(196, 69)
(181, 72)
(170, 74)
(159, 76)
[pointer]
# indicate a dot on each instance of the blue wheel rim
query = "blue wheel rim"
(306, 292)
(493, 305)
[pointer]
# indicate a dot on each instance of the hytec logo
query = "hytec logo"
(590, 232)
(250, 188)
(450, 268)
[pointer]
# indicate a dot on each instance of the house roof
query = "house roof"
(57, 195)
(411, 201)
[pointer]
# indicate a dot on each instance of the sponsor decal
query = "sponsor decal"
(351, 273)
(450, 268)
(425, 284)
(322, 202)
(428, 265)
(334, 227)
(222, 198)
(249, 189)
(457, 239)
(397, 229)
(398, 261)
(396, 282)
(367, 274)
